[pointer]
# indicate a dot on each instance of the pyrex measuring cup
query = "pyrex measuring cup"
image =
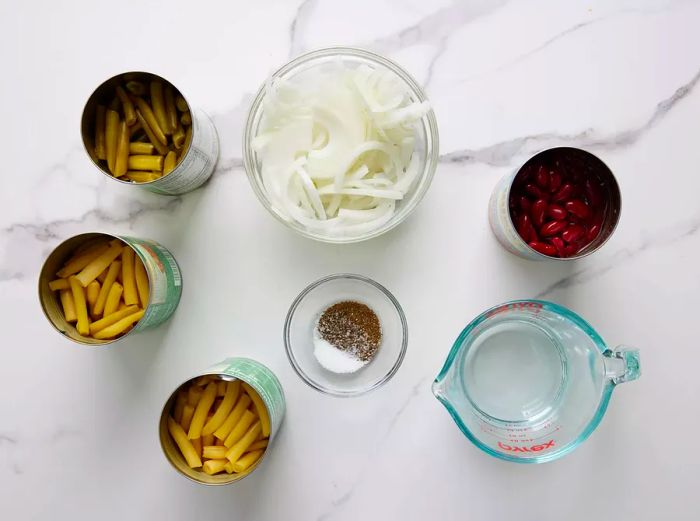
(529, 380)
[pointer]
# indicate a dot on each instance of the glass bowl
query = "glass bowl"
(301, 322)
(426, 140)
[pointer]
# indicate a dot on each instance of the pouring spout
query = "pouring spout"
(622, 364)
(438, 389)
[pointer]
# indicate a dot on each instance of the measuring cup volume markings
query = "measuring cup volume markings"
(528, 381)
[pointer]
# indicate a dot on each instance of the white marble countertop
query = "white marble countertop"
(78, 426)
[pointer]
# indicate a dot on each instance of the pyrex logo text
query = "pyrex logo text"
(534, 448)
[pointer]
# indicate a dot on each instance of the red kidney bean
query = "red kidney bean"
(593, 192)
(592, 232)
(564, 192)
(543, 248)
(534, 191)
(570, 250)
(542, 178)
(554, 181)
(525, 228)
(524, 203)
(556, 212)
(552, 228)
(578, 208)
(558, 244)
(537, 212)
(573, 232)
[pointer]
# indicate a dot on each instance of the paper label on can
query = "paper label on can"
(262, 380)
(165, 281)
(199, 161)
(501, 223)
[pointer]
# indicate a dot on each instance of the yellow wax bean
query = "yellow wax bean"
(158, 102)
(144, 162)
(239, 430)
(127, 106)
(260, 407)
(178, 136)
(111, 138)
(246, 461)
(184, 444)
(151, 121)
(83, 325)
(187, 414)
(131, 295)
(186, 118)
(200, 413)
(214, 452)
(181, 104)
(169, 162)
(237, 450)
(180, 403)
(170, 108)
(112, 272)
(141, 148)
(119, 327)
(160, 147)
(213, 466)
(197, 444)
(113, 298)
(112, 318)
(100, 147)
(122, 305)
(193, 396)
(122, 150)
(186, 145)
(78, 262)
(258, 445)
(98, 265)
(228, 467)
(202, 381)
(220, 388)
(142, 177)
(233, 418)
(58, 284)
(207, 440)
(68, 305)
(142, 285)
(102, 276)
(93, 291)
(136, 87)
(231, 391)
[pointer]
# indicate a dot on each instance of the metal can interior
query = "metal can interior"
(586, 164)
(50, 303)
(172, 452)
(103, 95)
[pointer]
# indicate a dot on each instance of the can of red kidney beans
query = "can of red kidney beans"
(253, 373)
(199, 143)
(164, 281)
(563, 204)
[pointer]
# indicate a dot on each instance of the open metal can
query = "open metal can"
(577, 165)
(164, 279)
(199, 144)
(253, 373)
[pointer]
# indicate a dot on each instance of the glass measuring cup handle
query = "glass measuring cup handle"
(622, 364)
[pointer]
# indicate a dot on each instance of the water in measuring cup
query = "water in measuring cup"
(514, 371)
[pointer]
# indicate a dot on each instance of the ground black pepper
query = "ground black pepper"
(352, 327)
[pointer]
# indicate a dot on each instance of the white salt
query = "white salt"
(333, 359)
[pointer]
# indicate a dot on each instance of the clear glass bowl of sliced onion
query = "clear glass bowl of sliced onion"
(340, 145)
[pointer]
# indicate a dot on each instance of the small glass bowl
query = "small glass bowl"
(301, 322)
(426, 139)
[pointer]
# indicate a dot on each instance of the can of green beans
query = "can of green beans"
(161, 270)
(138, 128)
(261, 380)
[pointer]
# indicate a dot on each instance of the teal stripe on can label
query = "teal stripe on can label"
(165, 281)
(260, 378)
